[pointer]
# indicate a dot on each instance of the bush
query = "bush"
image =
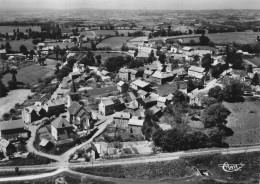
(29, 97)
(6, 116)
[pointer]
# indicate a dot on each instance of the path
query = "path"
(65, 156)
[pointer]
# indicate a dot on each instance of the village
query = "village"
(121, 103)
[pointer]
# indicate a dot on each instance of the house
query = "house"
(121, 119)
(122, 87)
(45, 144)
(155, 110)
(54, 107)
(143, 94)
(136, 72)
(161, 101)
(140, 113)
(187, 49)
(61, 129)
(6, 147)
(104, 73)
(161, 77)
(33, 113)
(147, 74)
(75, 75)
(106, 107)
(13, 129)
(139, 84)
(197, 72)
(182, 86)
(124, 74)
(135, 126)
(78, 115)
(149, 102)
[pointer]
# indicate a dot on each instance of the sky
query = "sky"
(133, 4)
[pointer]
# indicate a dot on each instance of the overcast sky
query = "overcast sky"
(133, 4)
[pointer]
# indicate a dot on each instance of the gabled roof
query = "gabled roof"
(187, 48)
(44, 142)
(161, 99)
(2, 51)
(162, 75)
(104, 72)
(142, 92)
(107, 102)
(155, 109)
(124, 70)
(140, 83)
(132, 95)
(9, 125)
(61, 123)
(121, 83)
(197, 69)
(136, 122)
(74, 108)
(140, 113)
(123, 115)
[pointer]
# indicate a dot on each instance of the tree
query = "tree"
(98, 58)
(162, 58)
(215, 115)
(255, 80)
(204, 40)
(57, 51)
(206, 63)
(233, 89)
(23, 49)
(17, 170)
(2, 46)
(113, 64)
(93, 46)
(216, 92)
(31, 53)
(250, 69)
(124, 47)
(3, 89)
(208, 101)
(235, 59)
(136, 53)
(57, 66)
(71, 60)
(8, 47)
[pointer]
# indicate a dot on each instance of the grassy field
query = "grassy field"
(181, 170)
(125, 32)
(239, 37)
(24, 172)
(114, 42)
(13, 97)
(244, 121)
(103, 32)
(9, 29)
(30, 74)
(15, 44)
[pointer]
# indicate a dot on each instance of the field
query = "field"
(103, 32)
(181, 170)
(30, 74)
(15, 44)
(9, 29)
(114, 42)
(239, 37)
(24, 172)
(125, 32)
(105, 55)
(244, 121)
(13, 97)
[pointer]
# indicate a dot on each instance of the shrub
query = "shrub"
(6, 116)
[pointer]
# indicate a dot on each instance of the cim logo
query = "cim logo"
(231, 167)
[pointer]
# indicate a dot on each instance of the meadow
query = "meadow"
(239, 37)
(9, 29)
(15, 44)
(115, 43)
(244, 121)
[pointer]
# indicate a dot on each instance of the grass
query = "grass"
(181, 170)
(9, 29)
(106, 55)
(31, 74)
(239, 37)
(125, 32)
(102, 91)
(15, 44)
(13, 97)
(244, 121)
(24, 172)
(38, 160)
(115, 43)
(103, 32)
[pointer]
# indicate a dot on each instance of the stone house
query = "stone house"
(61, 129)
(106, 107)
(122, 87)
(121, 119)
(124, 74)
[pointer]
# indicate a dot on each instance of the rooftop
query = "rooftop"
(140, 83)
(60, 123)
(136, 122)
(13, 124)
(197, 69)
